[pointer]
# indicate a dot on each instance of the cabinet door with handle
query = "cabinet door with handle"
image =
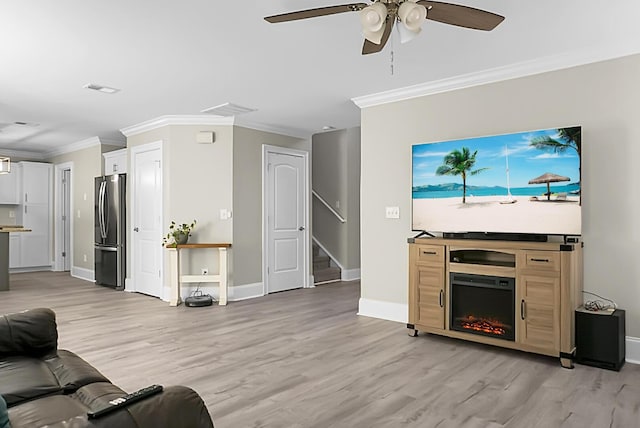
(427, 295)
(537, 312)
(36, 181)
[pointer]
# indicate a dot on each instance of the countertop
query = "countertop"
(6, 228)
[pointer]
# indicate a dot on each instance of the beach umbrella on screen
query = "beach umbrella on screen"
(549, 178)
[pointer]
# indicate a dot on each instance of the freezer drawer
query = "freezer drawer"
(109, 267)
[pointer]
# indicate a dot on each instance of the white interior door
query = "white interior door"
(147, 216)
(286, 212)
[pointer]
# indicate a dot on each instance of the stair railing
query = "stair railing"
(326, 204)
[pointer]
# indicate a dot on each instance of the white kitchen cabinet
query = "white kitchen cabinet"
(36, 182)
(14, 250)
(115, 162)
(10, 186)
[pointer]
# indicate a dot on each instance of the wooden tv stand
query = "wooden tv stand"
(548, 288)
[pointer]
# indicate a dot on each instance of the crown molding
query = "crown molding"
(74, 147)
(274, 129)
(22, 154)
(115, 143)
(508, 72)
(168, 120)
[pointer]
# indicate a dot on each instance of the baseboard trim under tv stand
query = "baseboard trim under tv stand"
(497, 236)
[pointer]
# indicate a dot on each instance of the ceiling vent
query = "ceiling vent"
(228, 109)
(100, 88)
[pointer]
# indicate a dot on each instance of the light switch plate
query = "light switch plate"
(392, 212)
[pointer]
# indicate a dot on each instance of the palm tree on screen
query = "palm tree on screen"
(568, 139)
(460, 162)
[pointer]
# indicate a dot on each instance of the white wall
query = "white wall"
(601, 97)
(87, 164)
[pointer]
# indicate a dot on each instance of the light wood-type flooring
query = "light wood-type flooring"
(304, 358)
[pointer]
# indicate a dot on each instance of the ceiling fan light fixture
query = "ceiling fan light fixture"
(412, 16)
(406, 35)
(373, 19)
(5, 165)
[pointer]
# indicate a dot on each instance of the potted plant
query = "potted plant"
(178, 233)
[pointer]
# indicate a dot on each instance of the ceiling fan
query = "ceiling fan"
(379, 17)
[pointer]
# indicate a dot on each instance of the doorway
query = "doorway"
(63, 259)
(285, 219)
(146, 227)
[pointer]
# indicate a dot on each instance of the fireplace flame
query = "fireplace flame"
(484, 325)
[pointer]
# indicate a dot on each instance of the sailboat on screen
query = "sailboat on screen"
(510, 199)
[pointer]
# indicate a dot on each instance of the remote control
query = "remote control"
(125, 400)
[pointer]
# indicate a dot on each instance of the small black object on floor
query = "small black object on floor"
(198, 301)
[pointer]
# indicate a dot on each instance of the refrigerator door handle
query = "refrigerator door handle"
(104, 214)
(101, 209)
(112, 249)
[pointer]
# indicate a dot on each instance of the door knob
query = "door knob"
(135, 229)
(301, 228)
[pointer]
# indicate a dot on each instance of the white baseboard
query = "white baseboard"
(632, 346)
(31, 269)
(82, 273)
(246, 291)
(384, 310)
(350, 274)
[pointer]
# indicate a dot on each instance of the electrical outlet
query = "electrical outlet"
(392, 212)
(84, 257)
(12, 214)
(205, 271)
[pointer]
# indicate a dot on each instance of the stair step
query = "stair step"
(327, 274)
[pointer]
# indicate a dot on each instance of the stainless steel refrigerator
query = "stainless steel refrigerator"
(110, 230)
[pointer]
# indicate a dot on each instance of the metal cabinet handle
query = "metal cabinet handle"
(540, 260)
(522, 308)
(301, 228)
(429, 253)
(441, 298)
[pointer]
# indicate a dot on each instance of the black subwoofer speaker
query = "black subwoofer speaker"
(600, 339)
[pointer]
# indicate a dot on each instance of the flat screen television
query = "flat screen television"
(522, 183)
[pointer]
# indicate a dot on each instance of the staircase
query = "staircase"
(323, 269)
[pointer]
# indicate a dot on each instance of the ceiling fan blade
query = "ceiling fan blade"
(370, 47)
(462, 16)
(312, 13)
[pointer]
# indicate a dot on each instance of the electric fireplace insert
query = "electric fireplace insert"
(482, 304)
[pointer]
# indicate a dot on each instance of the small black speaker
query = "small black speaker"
(600, 339)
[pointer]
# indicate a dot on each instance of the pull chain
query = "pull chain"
(391, 65)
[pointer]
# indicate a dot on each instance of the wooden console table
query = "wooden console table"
(176, 278)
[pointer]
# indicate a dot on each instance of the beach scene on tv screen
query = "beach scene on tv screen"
(527, 182)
